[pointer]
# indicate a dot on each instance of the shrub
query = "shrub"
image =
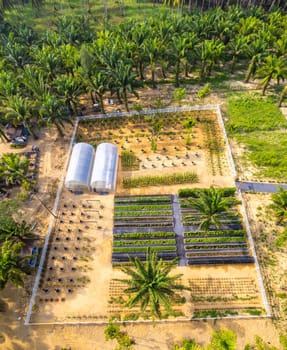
(129, 161)
(172, 179)
(112, 331)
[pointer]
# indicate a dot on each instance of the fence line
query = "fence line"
(215, 107)
(178, 320)
(250, 238)
(50, 228)
(248, 229)
(151, 111)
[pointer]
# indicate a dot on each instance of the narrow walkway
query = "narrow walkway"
(246, 186)
(178, 229)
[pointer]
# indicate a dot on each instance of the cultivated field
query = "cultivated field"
(78, 280)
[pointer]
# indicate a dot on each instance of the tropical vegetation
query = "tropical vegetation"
(150, 284)
(45, 74)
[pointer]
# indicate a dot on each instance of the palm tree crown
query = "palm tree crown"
(150, 284)
(211, 203)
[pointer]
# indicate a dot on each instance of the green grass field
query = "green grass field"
(259, 124)
(116, 11)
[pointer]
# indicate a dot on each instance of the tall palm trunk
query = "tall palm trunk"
(126, 100)
(266, 85)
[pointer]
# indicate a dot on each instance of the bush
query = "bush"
(129, 161)
(173, 179)
(112, 331)
(204, 91)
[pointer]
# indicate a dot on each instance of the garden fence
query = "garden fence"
(215, 107)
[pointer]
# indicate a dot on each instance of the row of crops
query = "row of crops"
(223, 243)
(140, 222)
(147, 221)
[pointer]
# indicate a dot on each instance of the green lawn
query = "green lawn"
(259, 124)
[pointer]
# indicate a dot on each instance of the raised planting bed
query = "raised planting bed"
(146, 243)
(125, 207)
(215, 233)
(143, 235)
(148, 223)
(220, 260)
(149, 200)
(141, 222)
(215, 245)
(124, 257)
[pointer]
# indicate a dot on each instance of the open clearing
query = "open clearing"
(77, 282)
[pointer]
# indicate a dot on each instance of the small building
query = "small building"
(104, 173)
(80, 166)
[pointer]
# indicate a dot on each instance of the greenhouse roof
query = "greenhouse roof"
(79, 171)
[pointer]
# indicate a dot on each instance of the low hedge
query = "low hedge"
(195, 192)
(170, 179)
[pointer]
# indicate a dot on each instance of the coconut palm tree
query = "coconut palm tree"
(150, 284)
(256, 51)
(273, 68)
(100, 85)
(69, 89)
(124, 81)
(279, 205)
(13, 168)
(212, 205)
(237, 47)
(20, 111)
(52, 112)
(210, 52)
(12, 265)
(224, 339)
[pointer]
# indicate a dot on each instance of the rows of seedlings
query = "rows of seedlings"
(223, 243)
(141, 222)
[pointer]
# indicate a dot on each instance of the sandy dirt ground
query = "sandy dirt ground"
(14, 335)
(271, 257)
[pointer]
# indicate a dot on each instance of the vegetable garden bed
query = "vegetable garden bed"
(141, 222)
(226, 244)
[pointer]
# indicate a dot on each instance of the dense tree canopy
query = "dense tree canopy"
(43, 75)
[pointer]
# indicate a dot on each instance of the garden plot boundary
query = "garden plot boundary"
(214, 107)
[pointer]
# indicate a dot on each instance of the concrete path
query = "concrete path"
(246, 186)
(178, 229)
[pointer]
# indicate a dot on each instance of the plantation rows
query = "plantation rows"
(140, 222)
(147, 221)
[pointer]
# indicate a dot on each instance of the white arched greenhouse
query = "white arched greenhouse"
(80, 166)
(104, 174)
